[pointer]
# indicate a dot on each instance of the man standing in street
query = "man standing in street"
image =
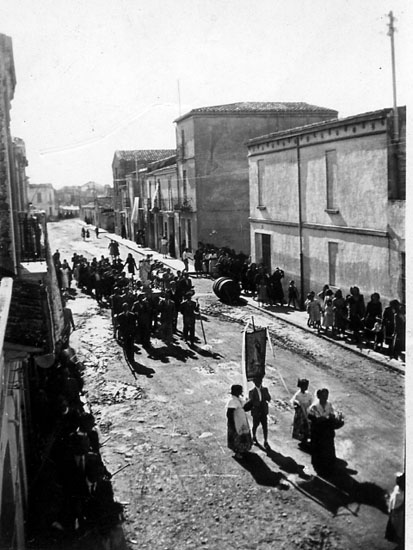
(167, 309)
(189, 310)
(257, 403)
(126, 329)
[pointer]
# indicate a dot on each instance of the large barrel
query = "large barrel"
(226, 289)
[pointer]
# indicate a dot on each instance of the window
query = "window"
(189, 226)
(261, 170)
(185, 185)
(403, 276)
(332, 263)
(183, 143)
(170, 193)
(331, 177)
(39, 197)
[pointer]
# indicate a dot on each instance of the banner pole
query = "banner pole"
(276, 367)
(243, 365)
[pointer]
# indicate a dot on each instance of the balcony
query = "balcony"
(32, 226)
(185, 205)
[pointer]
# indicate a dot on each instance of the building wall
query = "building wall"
(220, 170)
(186, 226)
(364, 229)
(8, 260)
(361, 199)
(13, 404)
(42, 197)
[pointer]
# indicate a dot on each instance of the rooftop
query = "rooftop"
(325, 124)
(26, 325)
(144, 155)
(246, 107)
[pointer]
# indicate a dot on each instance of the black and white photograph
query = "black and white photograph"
(204, 275)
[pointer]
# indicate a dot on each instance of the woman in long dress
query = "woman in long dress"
(301, 402)
(322, 417)
(239, 436)
(66, 276)
(131, 265)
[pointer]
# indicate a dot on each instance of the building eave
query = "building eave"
(323, 125)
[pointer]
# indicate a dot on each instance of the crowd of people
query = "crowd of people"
(71, 491)
(314, 425)
(314, 422)
(337, 315)
(145, 298)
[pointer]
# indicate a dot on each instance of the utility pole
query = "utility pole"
(179, 97)
(393, 64)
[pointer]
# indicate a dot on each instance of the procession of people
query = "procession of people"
(146, 298)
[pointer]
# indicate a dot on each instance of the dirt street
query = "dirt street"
(181, 487)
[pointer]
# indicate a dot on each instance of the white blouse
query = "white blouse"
(319, 411)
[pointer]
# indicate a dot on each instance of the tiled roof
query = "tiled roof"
(162, 163)
(144, 155)
(261, 107)
(26, 324)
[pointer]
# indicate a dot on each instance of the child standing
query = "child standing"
(328, 315)
(314, 311)
(293, 295)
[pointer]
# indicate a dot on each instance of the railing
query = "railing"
(32, 227)
(168, 205)
(185, 205)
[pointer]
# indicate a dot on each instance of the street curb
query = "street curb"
(386, 364)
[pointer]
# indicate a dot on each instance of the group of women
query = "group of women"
(314, 425)
(337, 314)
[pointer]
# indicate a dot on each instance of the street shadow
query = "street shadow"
(204, 351)
(260, 471)
(339, 489)
(138, 368)
(135, 367)
(164, 352)
(286, 463)
(276, 308)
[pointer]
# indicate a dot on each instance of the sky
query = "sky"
(96, 76)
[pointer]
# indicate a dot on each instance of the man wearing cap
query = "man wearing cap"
(189, 310)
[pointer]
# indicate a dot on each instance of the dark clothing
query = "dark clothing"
(323, 453)
(257, 406)
(259, 410)
(189, 309)
(356, 311)
(130, 262)
(373, 310)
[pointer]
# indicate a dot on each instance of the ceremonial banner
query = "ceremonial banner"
(255, 347)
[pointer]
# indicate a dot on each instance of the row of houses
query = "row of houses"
(31, 317)
(88, 200)
(290, 184)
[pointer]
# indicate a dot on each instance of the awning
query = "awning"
(135, 210)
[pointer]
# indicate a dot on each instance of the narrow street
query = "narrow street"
(165, 434)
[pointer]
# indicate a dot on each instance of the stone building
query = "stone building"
(31, 315)
(327, 203)
(213, 165)
(42, 197)
(125, 189)
(163, 205)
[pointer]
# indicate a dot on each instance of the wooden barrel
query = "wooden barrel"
(226, 289)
